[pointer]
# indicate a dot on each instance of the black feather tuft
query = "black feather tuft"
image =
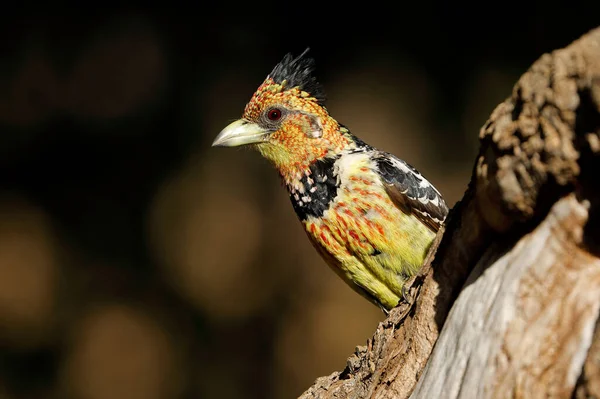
(298, 72)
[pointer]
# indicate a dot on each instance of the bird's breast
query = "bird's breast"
(357, 219)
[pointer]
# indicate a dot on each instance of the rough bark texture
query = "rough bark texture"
(509, 306)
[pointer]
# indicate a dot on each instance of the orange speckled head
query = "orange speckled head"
(289, 105)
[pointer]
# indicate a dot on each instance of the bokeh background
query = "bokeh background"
(137, 262)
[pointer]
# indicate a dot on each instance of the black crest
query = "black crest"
(298, 72)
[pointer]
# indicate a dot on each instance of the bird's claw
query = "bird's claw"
(383, 309)
(406, 295)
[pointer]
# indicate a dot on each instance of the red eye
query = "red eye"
(274, 114)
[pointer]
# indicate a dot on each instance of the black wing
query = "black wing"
(410, 191)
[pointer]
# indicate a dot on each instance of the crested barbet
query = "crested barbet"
(370, 215)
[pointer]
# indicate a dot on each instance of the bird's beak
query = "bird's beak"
(240, 132)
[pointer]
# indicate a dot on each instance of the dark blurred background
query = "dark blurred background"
(138, 262)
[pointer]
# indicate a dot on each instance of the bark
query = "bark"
(508, 306)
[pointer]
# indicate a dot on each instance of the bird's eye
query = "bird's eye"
(274, 114)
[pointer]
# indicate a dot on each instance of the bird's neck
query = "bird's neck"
(301, 177)
(296, 171)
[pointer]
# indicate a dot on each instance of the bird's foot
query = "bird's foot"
(383, 309)
(406, 295)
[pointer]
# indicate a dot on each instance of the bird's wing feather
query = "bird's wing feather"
(410, 191)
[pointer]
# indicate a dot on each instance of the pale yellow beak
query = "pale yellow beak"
(241, 132)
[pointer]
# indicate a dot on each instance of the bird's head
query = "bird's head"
(286, 120)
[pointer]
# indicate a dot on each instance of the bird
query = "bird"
(370, 215)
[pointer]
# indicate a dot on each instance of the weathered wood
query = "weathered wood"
(525, 319)
(588, 385)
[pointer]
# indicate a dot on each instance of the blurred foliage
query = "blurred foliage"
(138, 262)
